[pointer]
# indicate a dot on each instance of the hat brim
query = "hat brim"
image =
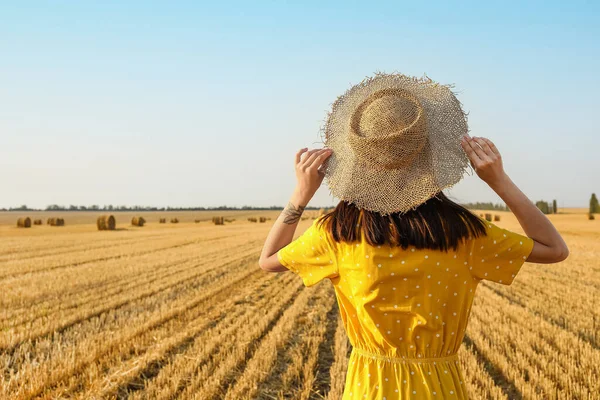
(441, 164)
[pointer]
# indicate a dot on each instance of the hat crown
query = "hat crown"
(388, 129)
(387, 114)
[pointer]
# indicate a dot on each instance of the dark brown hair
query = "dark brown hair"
(438, 224)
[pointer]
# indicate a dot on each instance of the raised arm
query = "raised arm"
(309, 178)
(549, 246)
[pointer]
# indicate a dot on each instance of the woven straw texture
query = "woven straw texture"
(395, 141)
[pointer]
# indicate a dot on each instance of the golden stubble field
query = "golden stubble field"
(183, 311)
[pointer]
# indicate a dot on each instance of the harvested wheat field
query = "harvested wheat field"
(183, 311)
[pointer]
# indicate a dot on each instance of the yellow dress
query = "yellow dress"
(405, 311)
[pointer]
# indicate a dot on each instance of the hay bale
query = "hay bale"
(481, 215)
(162, 221)
(488, 217)
(229, 219)
(197, 221)
(60, 222)
(591, 216)
(106, 223)
(263, 219)
(303, 218)
(138, 221)
(56, 221)
(24, 222)
(174, 221)
(217, 220)
(496, 218)
(252, 219)
(37, 222)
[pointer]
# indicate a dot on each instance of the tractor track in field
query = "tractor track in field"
(214, 296)
(589, 338)
(107, 258)
(137, 382)
(122, 284)
(9, 349)
(70, 248)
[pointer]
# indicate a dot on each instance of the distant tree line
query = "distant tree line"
(486, 206)
(110, 207)
(546, 207)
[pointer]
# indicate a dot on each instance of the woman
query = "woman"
(404, 260)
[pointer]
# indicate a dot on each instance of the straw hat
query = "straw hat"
(395, 141)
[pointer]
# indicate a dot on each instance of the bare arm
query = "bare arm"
(282, 232)
(549, 246)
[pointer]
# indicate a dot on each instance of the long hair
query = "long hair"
(438, 224)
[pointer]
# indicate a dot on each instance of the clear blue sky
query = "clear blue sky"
(182, 104)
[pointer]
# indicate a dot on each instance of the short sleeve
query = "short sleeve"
(499, 256)
(311, 256)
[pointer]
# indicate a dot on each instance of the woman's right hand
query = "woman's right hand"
(549, 246)
(485, 159)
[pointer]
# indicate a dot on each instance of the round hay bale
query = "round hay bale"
(252, 219)
(263, 219)
(24, 222)
(218, 220)
(138, 221)
(56, 221)
(488, 217)
(496, 217)
(162, 221)
(174, 221)
(106, 223)
(37, 222)
(197, 221)
(591, 217)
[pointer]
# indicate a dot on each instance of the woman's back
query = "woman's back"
(405, 274)
(405, 311)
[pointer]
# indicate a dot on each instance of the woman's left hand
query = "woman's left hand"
(308, 175)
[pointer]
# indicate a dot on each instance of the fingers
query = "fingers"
(321, 159)
(307, 156)
(492, 146)
(310, 159)
(299, 154)
(478, 150)
(473, 157)
(485, 146)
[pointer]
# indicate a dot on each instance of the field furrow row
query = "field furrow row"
(26, 267)
(266, 304)
(46, 362)
(66, 245)
(127, 287)
(124, 377)
(319, 300)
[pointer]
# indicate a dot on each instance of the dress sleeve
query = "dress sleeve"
(311, 256)
(498, 257)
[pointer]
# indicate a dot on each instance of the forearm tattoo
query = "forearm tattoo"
(292, 214)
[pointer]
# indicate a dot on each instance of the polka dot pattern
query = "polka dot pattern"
(405, 311)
